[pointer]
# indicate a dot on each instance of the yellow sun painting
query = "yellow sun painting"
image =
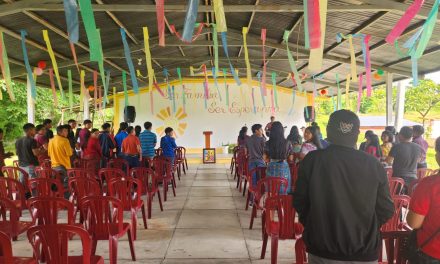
(172, 120)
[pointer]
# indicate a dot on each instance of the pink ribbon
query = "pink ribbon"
(367, 64)
(151, 102)
(206, 82)
(198, 32)
(359, 92)
(52, 85)
(314, 21)
(263, 79)
(160, 14)
(404, 21)
(158, 89)
(75, 58)
(272, 102)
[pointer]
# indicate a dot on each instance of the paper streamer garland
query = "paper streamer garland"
(253, 100)
(4, 64)
(205, 85)
(347, 94)
(54, 61)
(52, 86)
(85, 7)
(107, 84)
(353, 65)
(81, 90)
(160, 15)
(69, 80)
(101, 63)
(314, 23)
(404, 21)
(30, 75)
(215, 42)
(190, 20)
(225, 49)
(148, 59)
(220, 18)
(129, 61)
(95, 90)
(292, 62)
(71, 13)
(246, 58)
(316, 55)
(367, 62)
(293, 94)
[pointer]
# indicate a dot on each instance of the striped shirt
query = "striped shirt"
(148, 142)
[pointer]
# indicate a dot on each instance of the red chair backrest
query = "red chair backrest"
(83, 173)
(397, 242)
(89, 164)
(127, 190)
(47, 173)
(45, 210)
(46, 163)
(293, 173)
(9, 219)
(12, 190)
(15, 163)
(80, 187)
(280, 213)
(6, 248)
(242, 162)
(119, 163)
(271, 186)
(183, 149)
(395, 223)
(396, 186)
(102, 211)
(109, 173)
(389, 172)
(146, 176)
(14, 173)
(43, 187)
(261, 174)
(158, 152)
(53, 241)
(179, 154)
(162, 168)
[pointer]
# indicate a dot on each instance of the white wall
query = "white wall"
(225, 122)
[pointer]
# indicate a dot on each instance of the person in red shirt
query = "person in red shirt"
(131, 148)
(42, 142)
(93, 148)
(424, 215)
(84, 134)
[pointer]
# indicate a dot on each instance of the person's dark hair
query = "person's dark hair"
(94, 130)
(437, 145)
(39, 127)
(314, 124)
(406, 132)
(105, 126)
(255, 127)
(168, 130)
(47, 121)
(147, 125)
(78, 129)
(369, 133)
(71, 121)
(374, 141)
(389, 135)
(418, 130)
(87, 121)
(277, 143)
(343, 128)
(60, 128)
(28, 126)
(314, 130)
(138, 130)
(391, 129)
(122, 126)
(294, 137)
(242, 133)
(130, 129)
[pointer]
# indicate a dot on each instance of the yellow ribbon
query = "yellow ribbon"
(246, 58)
(220, 18)
(148, 59)
(5, 70)
(191, 70)
(347, 90)
(81, 94)
(54, 61)
(316, 55)
(353, 60)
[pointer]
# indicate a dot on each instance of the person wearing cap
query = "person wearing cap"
(342, 197)
(363, 146)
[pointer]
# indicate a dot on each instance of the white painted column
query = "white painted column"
(30, 103)
(389, 99)
(400, 108)
(86, 107)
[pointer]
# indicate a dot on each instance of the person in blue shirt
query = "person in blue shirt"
(148, 141)
(122, 134)
(168, 144)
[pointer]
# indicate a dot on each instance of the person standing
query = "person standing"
(3, 155)
(72, 124)
(93, 148)
(27, 151)
(137, 130)
(342, 197)
(60, 152)
(131, 148)
(242, 136)
(120, 136)
(255, 150)
(84, 134)
(148, 141)
(106, 141)
(419, 140)
(47, 123)
(42, 143)
(268, 126)
(168, 144)
(311, 141)
(404, 156)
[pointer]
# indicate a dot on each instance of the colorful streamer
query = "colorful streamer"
(166, 75)
(124, 84)
(253, 100)
(95, 90)
(220, 18)
(263, 79)
(130, 65)
(71, 13)
(85, 7)
(404, 21)
(293, 94)
(226, 86)
(101, 62)
(75, 58)
(148, 59)
(205, 85)
(316, 55)
(82, 76)
(190, 20)
(274, 87)
(359, 93)
(179, 74)
(107, 84)
(225, 48)
(215, 42)
(156, 86)
(367, 62)
(4, 65)
(292, 63)
(69, 80)
(314, 21)
(246, 58)
(353, 65)
(30, 75)
(200, 27)
(347, 92)
(261, 88)
(214, 75)
(52, 86)
(160, 15)
(54, 61)
(306, 25)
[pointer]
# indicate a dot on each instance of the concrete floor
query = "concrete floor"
(205, 223)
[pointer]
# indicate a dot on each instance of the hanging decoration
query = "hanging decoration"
(41, 64)
(376, 76)
(339, 99)
(148, 59)
(52, 86)
(196, 36)
(27, 65)
(306, 24)
(124, 85)
(253, 100)
(179, 74)
(4, 65)
(214, 75)
(367, 62)
(220, 18)
(263, 79)
(54, 61)
(215, 42)
(38, 71)
(291, 75)
(114, 98)
(347, 92)
(359, 93)
(69, 80)
(314, 23)
(205, 85)
(82, 76)
(404, 21)
(246, 58)
(226, 86)
(101, 63)
(166, 76)
(130, 65)
(225, 49)
(91, 88)
(85, 7)
(261, 88)
(317, 54)
(292, 62)
(160, 15)
(100, 99)
(107, 84)
(71, 14)
(190, 20)
(173, 98)
(353, 65)
(275, 89)
(323, 92)
(95, 89)
(75, 58)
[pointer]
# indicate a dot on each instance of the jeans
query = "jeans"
(133, 161)
(318, 260)
(255, 164)
(64, 179)
(30, 171)
(422, 165)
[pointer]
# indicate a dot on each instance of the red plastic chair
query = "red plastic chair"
(46, 163)
(14, 173)
(45, 210)
(279, 224)
(401, 207)
(270, 187)
(180, 161)
(242, 169)
(293, 173)
(10, 222)
(92, 165)
(423, 172)
(233, 165)
(129, 192)
(163, 173)
(396, 186)
(104, 221)
(43, 187)
(14, 191)
(80, 187)
(150, 187)
(389, 172)
(158, 152)
(300, 252)
(184, 156)
(107, 174)
(261, 174)
(84, 173)
(119, 163)
(6, 252)
(48, 173)
(53, 241)
(15, 163)
(395, 243)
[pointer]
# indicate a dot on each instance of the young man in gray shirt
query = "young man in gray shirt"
(255, 150)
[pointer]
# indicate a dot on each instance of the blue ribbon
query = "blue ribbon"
(190, 20)
(415, 70)
(166, 74)
(261, 88)
(129, 61)
(293, 102)
(71, 13)
(214, 75)
(225, 48)
(26, 63)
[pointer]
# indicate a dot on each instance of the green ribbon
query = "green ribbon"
(306, 25)
(106, 85)
(85, 7)
(124, 84)
(69, 79)
(5, 69)
(101, 68)
(292, 62)
(215, 40)
(274, 84)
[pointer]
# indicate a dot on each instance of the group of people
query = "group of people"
(342, 192)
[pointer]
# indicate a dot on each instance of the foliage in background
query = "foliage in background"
(423, 98)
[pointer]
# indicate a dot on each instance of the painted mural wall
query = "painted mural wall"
(222, 114)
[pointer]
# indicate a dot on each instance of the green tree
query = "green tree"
(423, 98)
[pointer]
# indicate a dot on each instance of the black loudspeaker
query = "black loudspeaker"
(309, 114)
(129, 114)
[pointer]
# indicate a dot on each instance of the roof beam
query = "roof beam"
(251, 19)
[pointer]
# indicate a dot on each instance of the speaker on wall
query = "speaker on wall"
(309, 114)
(129, 114)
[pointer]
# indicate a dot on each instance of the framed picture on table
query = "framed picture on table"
(209, 155)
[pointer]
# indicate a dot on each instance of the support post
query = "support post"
(389, 98)
(86, 107)
(400, 105)
(30, 103)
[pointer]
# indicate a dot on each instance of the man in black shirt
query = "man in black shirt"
(27, 151)
(342, 197)
(47, 123)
